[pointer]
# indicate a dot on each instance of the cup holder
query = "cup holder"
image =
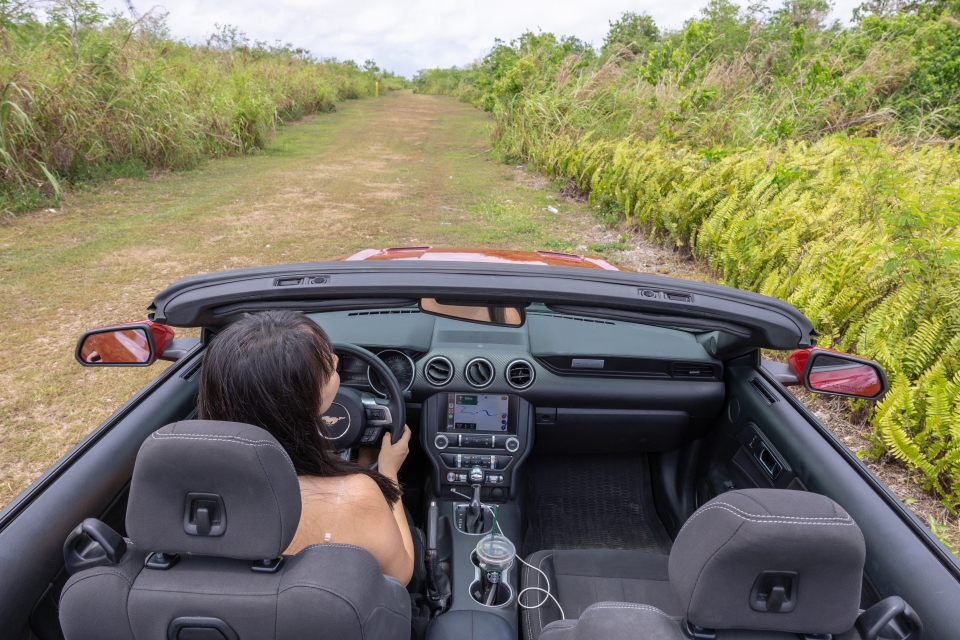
(504, 591)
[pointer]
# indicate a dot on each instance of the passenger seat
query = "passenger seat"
(763, 559)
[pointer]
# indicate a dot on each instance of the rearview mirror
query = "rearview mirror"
(128, 345)
(840, 374)
(503, 316)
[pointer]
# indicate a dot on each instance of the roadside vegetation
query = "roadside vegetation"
(86, 96)
(808, 161)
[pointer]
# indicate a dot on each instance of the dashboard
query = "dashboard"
(569, 384)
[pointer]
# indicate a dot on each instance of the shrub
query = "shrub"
(801, 160)
(82, 92)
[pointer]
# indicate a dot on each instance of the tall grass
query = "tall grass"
(83, 94)
(807, 161)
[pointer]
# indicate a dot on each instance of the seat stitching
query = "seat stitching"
(761, 519)
(526, 612)
(276, 501)
(100, 573)
(126, 607)
(761, 515)
(233, 439)
(540, 608)
(276, 611)
(754, 501)
(627, 605)
(330, 544)
(203, 593)
(704, 567)
(361, 621)
(392, 579)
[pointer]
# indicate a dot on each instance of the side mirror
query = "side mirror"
(839, 374)
(137, 344)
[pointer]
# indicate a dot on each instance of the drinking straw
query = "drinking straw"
(496, 512)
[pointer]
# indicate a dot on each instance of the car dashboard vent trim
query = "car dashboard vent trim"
(560, 317)
(438, 371)
(479, 373)
(387, 312)
(694, 370)
(520, 374)
(762, 389)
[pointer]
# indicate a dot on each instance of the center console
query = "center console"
(477, 444)
(464, 431)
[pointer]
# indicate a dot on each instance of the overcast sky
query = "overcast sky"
(405, 36)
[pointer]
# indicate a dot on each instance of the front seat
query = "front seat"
(769, 560)
(212, 507)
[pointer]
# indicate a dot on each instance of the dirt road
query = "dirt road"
(405, 169)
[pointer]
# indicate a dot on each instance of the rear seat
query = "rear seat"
(761, 559)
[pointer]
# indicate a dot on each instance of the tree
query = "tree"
(635, 31)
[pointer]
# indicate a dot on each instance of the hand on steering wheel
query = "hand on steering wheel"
(392, 455)
(356, 418)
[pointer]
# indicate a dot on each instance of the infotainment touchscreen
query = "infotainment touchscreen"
(477, 412)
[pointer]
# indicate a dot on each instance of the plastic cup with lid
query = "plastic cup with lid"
(495, 553)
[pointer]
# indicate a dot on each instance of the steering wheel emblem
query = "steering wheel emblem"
(336, 420)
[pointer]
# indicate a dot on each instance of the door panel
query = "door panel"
(903, 558)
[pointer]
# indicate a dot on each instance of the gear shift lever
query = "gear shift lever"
(474, 520)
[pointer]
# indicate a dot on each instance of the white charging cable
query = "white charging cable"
(550, 596)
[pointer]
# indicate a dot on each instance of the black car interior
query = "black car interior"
(652, 485)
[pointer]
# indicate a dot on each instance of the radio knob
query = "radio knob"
(512, 445)
(441, 442)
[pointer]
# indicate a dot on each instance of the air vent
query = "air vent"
(763, 390)
(693, 370)
(520, 374)
(438, 371)
(479, 372)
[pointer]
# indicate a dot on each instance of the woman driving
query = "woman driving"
(277, 370)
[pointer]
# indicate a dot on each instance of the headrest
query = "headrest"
(213, 488)
(769, 559)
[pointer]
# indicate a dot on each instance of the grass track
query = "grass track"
(404, 169)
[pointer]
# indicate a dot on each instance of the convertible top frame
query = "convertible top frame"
(213, 300)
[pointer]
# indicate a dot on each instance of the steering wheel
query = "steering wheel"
(355, 417)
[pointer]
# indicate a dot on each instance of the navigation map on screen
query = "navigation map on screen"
(477, 412)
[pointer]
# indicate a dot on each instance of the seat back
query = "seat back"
(771, 560)
(212, 507)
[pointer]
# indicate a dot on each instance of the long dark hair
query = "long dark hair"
(268, 370)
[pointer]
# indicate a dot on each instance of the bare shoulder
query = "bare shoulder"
(364, 493)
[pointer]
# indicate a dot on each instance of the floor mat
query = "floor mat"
(591, 502)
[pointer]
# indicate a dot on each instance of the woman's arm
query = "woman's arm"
(369, 522)
(390, 459)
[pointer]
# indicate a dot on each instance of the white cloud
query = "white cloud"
(412, 35)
